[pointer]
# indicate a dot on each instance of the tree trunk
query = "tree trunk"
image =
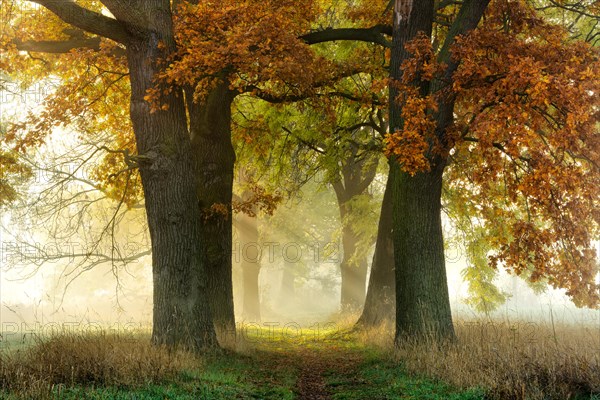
(422, 303)
(380, 303)
(354, 269)
(287, 290)
(166, 166)
(355, 176)
(210, 123)
(251, 305)
(250, 264)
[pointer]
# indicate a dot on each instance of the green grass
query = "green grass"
(378, 379)
(229, 376)
(270, 367)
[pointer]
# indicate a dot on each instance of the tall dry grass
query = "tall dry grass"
(68, 360)
(510, 360)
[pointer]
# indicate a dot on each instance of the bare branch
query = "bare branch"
(64, 46)
(53, 46)
(89, 21)
(375, 34)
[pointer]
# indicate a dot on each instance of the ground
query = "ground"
(269, 364)
(275, 365)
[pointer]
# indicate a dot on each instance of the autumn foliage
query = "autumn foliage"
(254, 46)
(524, 150)
(523, 153)
(411, 145)
(529, 109)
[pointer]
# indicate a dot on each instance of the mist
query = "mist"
(298, 250)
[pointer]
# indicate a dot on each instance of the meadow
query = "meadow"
(489, 360)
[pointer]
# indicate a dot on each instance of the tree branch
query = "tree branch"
(89, 21)
(498, 146)
(445, 3)
(54, 46)
(375, 34)
(576, 7)
(468, 18)
(368, 177)
(128, 11)
(64, 46)
(304, 142)
(292, 98)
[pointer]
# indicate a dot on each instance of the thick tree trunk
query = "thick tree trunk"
(422, 302)
(354, 269)
(380, 303)
(210, 123)
(250, 264)
(180, 314)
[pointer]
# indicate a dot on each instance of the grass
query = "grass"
(510, 359)
(107, 366)
(489, 361)
(378, 377)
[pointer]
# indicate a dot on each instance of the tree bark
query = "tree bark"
(210, 124)
(422, 302)
(166, 165)
(380, 303)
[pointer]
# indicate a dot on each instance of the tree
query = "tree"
(304, 236)
(523, 106)
(254, 201)
(349, 192)
(476, 236)
(422, 302)
(347, 150)
(546, 152)
(193, 92)
(250, 249)
(379, 308)
(166, 166)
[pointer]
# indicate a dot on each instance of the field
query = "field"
(490, 360)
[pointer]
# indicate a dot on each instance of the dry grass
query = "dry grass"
(511, 360)
(69, 360)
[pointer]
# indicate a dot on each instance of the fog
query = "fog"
(66, 292)
(60, 264)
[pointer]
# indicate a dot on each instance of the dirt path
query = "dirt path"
(314, 366)
(311, 384)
